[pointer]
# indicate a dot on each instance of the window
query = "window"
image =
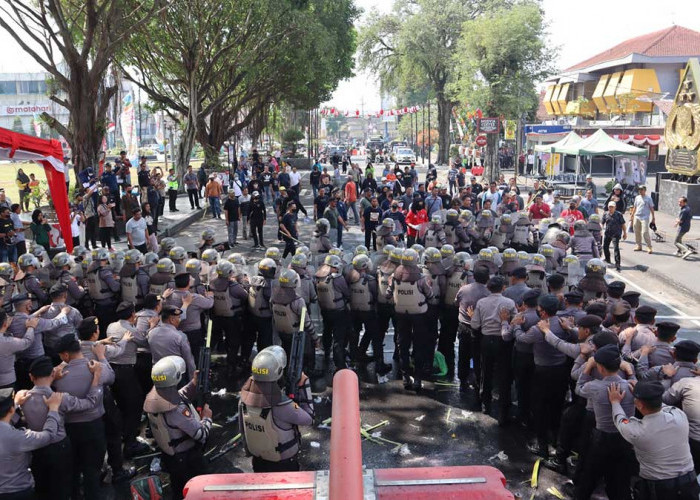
(32, 87)
(8, 88)
(653, 152)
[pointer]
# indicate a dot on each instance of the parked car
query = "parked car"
(404, 155)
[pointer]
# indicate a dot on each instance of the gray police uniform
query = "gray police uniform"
(385, 302)
(144, 360)
(260, 319)
(9, 347)
(455, 277)
(103, 289)
(191, 325)
(24, 358)
(53, 335)
(31, 284)
(230, 298)
(469, 340)
(160, 282)
(166, 340)
(685, 393)
(363, 309)
(286, 307)
(75, 292)
(333, 298)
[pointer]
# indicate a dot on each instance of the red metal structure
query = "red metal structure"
(346, 479)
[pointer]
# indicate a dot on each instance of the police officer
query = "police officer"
(260, 319)
(411, 291)
(27, 282)
(523, 359)
(230, 298)
(385, 233)
(307, 288)
(191, 325)
(450, 227)
(150, 260)
(660, 441)
(435, 235)
(162, 279)
(167, 340)
(518, 288)
(52, 465)
(7, 285)
(363, 307)
(583, 244)
(385, 301)
(76, 293)
(593, 284)
(86, 428)
(178, 429)
(59, 297)
(166, 244)
(321, 242)
(210, 258)
(146, 319)
(193, 267)
(268, 419)
(456, 275)
(103, 289)
(572, 306)
(333, 299)
(134, 279)
(287, 306)
(434, 272)
(178, 255)
(11, 345)
(470, 340)
(17, 444)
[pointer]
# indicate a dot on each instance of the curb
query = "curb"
(184, 223)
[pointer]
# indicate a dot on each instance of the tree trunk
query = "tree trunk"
(444, 113)
(185, 147)
(211, 155)
(491, 167)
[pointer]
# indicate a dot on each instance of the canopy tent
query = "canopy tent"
(49, 154)
(569, 140)
(601, 143)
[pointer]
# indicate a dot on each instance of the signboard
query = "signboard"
(682, 132)
(509, 128)
(630, 170)
(488, 125)
(547, 129)
(231, 154)
(481, 141)
(24, 109)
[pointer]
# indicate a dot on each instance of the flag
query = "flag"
(128, 123)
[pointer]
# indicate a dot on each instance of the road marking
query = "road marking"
(681, 314)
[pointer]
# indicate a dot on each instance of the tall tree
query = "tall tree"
(414, 47)
(75, 41)
(500, 58)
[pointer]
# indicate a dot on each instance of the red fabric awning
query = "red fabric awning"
(49, 154)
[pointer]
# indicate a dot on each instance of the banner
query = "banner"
(488, 125)
(509, 128)
(128, 124)
(25, 109)
(160, 136)
(630, 170)
(37, 125)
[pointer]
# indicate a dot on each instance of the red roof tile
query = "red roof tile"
(673, 41)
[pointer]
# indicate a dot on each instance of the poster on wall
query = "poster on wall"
(551, 163)
(630, 170)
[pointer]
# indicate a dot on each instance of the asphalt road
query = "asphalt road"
(440, 426)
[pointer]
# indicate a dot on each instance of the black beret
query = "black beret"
(645, 310)
(556, 281)
(620, 308)
(667, 327)
(631, 294)
(616, 286)
(88, 325)
(590, 321)
(150, 301)
(57, 289)
(519, 272)
(125, 310)
(68, 343)
(607, 355)
(19, 298)
(548, 301)
(648, 390)
(6, 400)
(605, 338)
(531, 296)
(41, 367)
(688, 346)
(573, 297)
(597, 308)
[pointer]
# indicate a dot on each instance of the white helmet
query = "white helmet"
(168, 371)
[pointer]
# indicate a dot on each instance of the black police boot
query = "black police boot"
(417, 385)
(123, 474)
(135, 449)
(407, 382)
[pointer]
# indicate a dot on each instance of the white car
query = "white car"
(404, 155)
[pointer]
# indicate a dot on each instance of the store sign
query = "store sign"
(488, 125)
(24, 109)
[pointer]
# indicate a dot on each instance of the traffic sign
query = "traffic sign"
(481, 141)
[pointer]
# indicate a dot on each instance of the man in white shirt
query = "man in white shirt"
(295, 180)
(137, 232)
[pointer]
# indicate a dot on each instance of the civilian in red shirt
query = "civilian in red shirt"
(572, 215)
(539, 210)
(415, 217)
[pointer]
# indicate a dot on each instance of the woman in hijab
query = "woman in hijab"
(618, 198)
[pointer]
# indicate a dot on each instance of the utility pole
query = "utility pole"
(428, 132)
(422, 146)
(165, 140)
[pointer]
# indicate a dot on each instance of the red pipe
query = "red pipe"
(345, 478)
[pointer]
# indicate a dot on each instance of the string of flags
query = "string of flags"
(406, 110)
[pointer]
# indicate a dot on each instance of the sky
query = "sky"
(580, 30)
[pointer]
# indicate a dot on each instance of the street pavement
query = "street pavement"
(441, 426)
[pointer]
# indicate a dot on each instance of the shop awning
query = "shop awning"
(640, 139)
(571, 139)
(601, 143)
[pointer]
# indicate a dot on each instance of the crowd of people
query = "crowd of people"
(490, 286)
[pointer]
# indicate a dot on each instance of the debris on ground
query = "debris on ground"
(420, 419)
(232, 418)
(315, 444)
(499, 456)
(220, 392)
(401, 450)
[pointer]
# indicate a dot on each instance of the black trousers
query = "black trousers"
(449, 321)
(193, 197)
(107, 314)
(496, 369)
(289, 248)
(609, 457)
(336, 332)
(370, 238)
(414, 333)
(231, 330)
(91, 225)
(695, 452)
(196, 339)
(27, 494)
(114, 429)
(469, 347)
(106, 237)
(144, 364)
(523, 372)
(385, 315)
(172, 200)
(256, 230)
(88, 446)
(288, 465)
(549, 390)
(571, 428)
(22, 373)
(684, 487)
(182, 467)
(370, 322)
(52, 468)
(261, 330)
(616, 248)
(129, 398)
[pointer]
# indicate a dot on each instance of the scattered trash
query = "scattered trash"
(327, 421)
(454, 436)
(155, 465)
(377, 434)
(415, 426)
(324, 426)
(553, 491)
(500, 456)
(370, 428)
(401, 450)
(420, 419)
(318, 400)
(232, 418)
(447, 417)
(220, 392)
(382, 379)
(535, 473)
(315, 444)
(468, 415)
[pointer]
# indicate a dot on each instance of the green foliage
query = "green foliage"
(291, 137)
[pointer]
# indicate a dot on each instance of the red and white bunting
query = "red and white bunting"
(406, 110)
